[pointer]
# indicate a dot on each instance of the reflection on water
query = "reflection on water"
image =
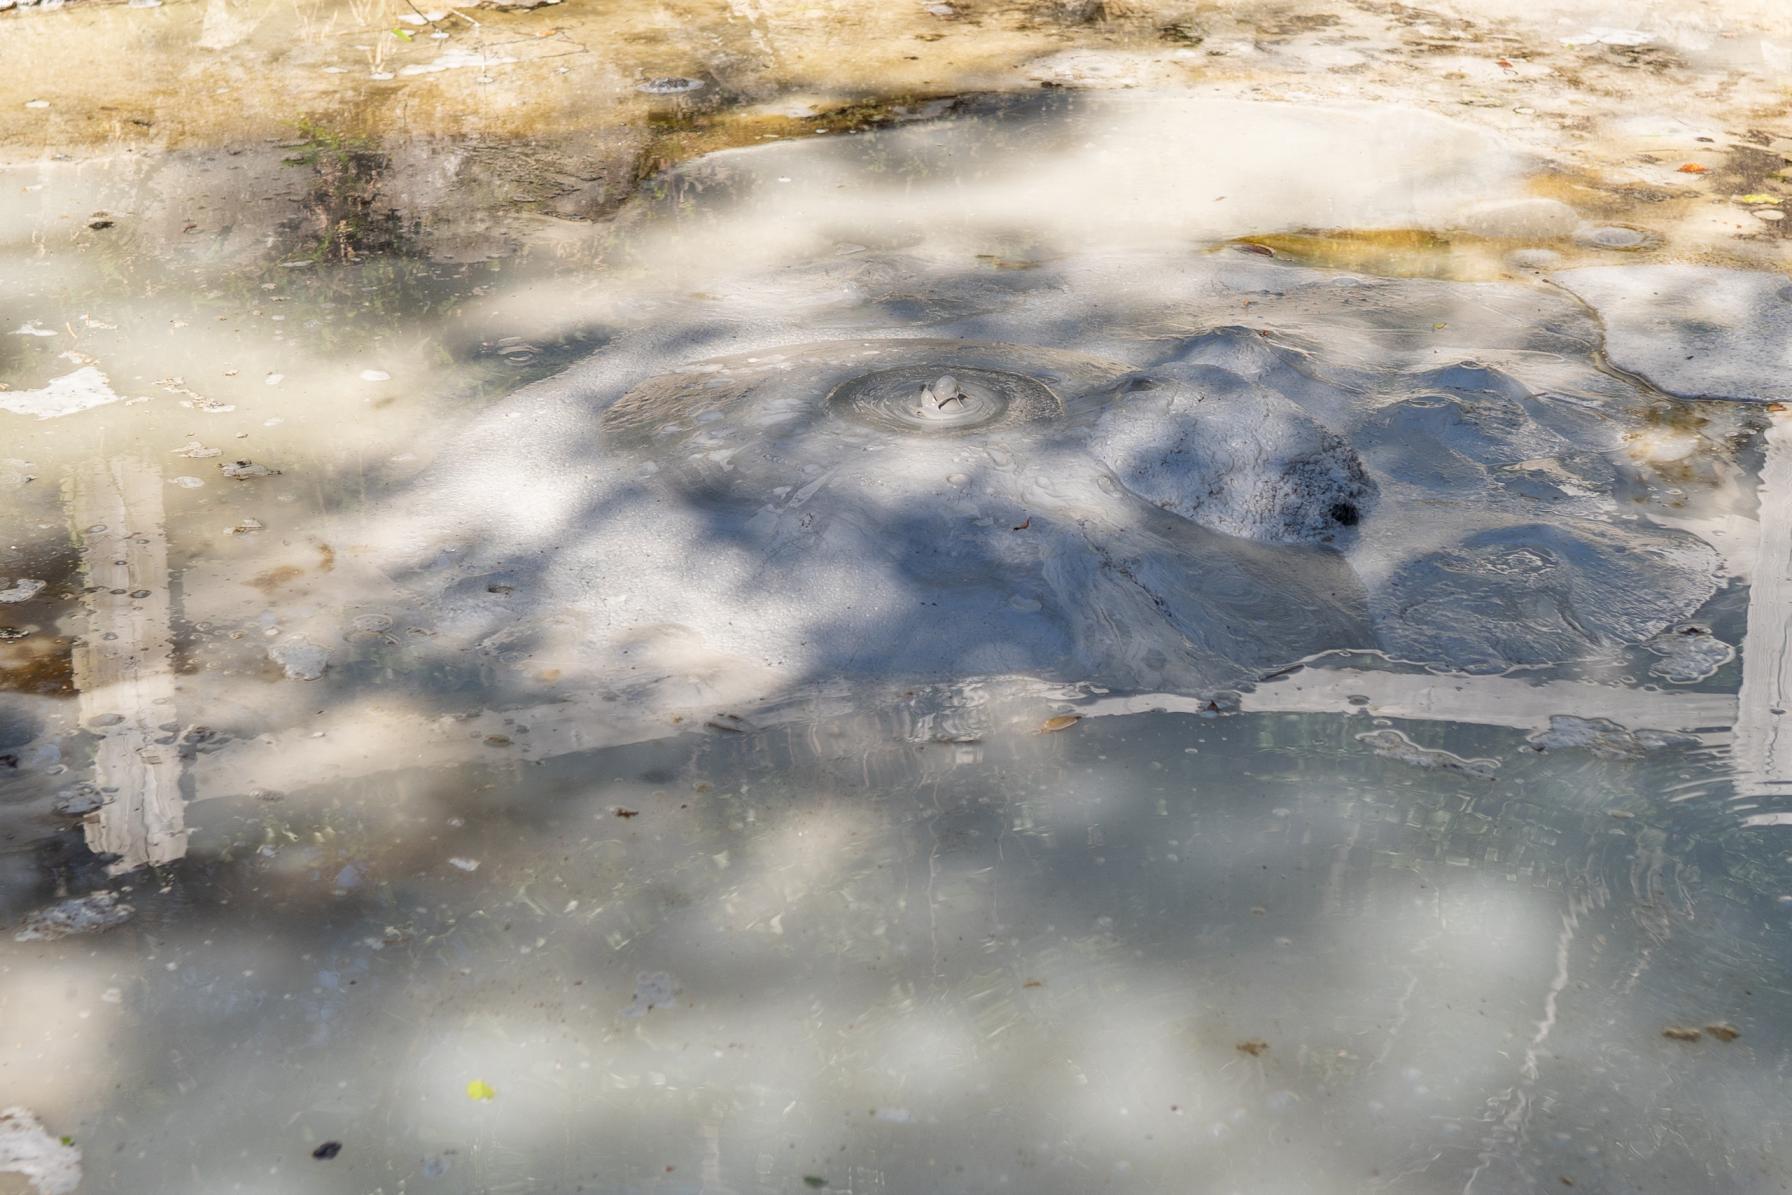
(1253, 948)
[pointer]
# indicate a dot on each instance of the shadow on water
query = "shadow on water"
(893, 937)
(942, 963)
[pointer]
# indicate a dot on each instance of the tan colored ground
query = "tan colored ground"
(546, 124)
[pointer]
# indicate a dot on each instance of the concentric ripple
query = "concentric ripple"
(940, 398)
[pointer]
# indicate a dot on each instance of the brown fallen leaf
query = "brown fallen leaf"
(1033, 983)
(1723, 1031)
(1059, 722)
(1027, 522)
(621, 812)
(1504, 64)
(1681, 1033)
(1692, 168)
(1254, 1047)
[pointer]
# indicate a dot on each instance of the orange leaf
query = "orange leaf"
(1060, 722)
(1692, 168)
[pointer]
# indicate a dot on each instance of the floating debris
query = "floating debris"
(1689, 653)
(464, 864)
(69, 394)
(447, 61)
(653, 989)
(1604, 737)
(22, 590)
(79, 801)
(1681, 1033)
(299, 658)
(327, 1150)
(479, 1089)
(1255, 1047)
(669, 85)
(1723, 1031)
(1059, 722)
(1392, 744)
(82, 915)
(51, 1166)
(245, 470)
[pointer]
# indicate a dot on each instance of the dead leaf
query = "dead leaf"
(1692, 168)
(627, 813)
(1680, 1033)
(1254, 1047)
(1504, 64)
(1033, 983)
(1024, 525)
(1723, 1031)
(1059, 722)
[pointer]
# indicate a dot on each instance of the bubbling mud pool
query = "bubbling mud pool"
(1142, 715)
(1159, 511)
